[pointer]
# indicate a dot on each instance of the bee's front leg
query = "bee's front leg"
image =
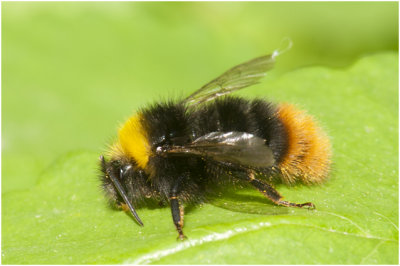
(177, 209)
(177, 216)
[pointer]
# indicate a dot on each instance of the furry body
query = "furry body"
(178, 152)
(300, 149)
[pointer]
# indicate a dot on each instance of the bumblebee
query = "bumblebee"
(177, 152)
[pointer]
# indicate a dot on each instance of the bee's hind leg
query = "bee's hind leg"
(177, 211)
(268, 191)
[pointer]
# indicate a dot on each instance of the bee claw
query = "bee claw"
(181, 237)
(308, 205)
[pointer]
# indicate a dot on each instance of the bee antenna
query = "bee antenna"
(123, 195)
(286, 45)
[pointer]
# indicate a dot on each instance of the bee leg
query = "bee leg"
(177, 215)
(177, 209)
(274, 195)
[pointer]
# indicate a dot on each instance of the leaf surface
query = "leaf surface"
(65, 219)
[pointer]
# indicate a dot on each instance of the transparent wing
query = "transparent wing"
(234, 79)
(234, 147)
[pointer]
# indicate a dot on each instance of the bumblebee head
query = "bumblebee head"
(113, 183)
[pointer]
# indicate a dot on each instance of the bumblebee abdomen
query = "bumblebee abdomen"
(301, 149)
(307, 158)
(257, 117)
(270, 127)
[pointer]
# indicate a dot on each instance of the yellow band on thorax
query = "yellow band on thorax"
(134, 141)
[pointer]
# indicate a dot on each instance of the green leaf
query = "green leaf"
(65, 219)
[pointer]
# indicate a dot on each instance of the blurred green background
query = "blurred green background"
(72, 71)
(108, 59)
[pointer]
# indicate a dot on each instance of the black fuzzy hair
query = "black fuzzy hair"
(172, 124)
